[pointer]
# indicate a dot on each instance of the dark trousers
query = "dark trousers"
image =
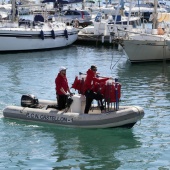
(62, 100)
(90, 95)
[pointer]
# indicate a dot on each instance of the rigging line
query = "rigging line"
(111, 67)
(111, 62)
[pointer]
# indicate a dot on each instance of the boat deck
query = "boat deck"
(96, 110)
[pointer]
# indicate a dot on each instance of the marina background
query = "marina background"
(31, 145)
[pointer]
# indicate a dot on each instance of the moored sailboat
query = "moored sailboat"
(150, 45)
(40, 34)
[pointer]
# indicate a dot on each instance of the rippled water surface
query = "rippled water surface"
(35, 146)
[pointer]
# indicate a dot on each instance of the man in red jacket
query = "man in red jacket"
(89, 84)
(62, 88)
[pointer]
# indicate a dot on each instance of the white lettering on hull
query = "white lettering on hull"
(49, 118)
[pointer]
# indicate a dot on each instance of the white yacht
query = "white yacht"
(150, 45)
(110, 26)
(145, 9)
(39, 34)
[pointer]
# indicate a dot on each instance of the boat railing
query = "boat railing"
(143, 34)
(7, 23)
(27, 24)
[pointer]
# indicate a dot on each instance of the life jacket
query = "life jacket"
(92, 81)
(99, 87)
(103, 86)
(112, 91)
(78, 84)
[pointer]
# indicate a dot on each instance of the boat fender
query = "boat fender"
(42, 34)
(53, 34)
(66, 34)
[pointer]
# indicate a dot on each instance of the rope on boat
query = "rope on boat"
(111, 67)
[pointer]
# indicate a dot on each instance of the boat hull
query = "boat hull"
(23, 40)
(125, 117)
(144, 51)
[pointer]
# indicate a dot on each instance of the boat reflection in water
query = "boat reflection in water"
(76, 148)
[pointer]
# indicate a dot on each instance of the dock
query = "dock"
(91, 39)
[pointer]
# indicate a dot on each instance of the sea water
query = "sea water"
(35, 146)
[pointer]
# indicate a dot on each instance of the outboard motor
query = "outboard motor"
(29, 100)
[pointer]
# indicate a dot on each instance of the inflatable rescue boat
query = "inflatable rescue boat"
(32, 109)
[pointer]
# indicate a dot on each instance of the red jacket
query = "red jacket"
(61, 82)
(91, 79)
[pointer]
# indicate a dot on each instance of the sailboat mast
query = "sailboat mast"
(13, 10)
(155, 14)
(83, 4)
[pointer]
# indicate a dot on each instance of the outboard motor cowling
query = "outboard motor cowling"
(29, 100)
